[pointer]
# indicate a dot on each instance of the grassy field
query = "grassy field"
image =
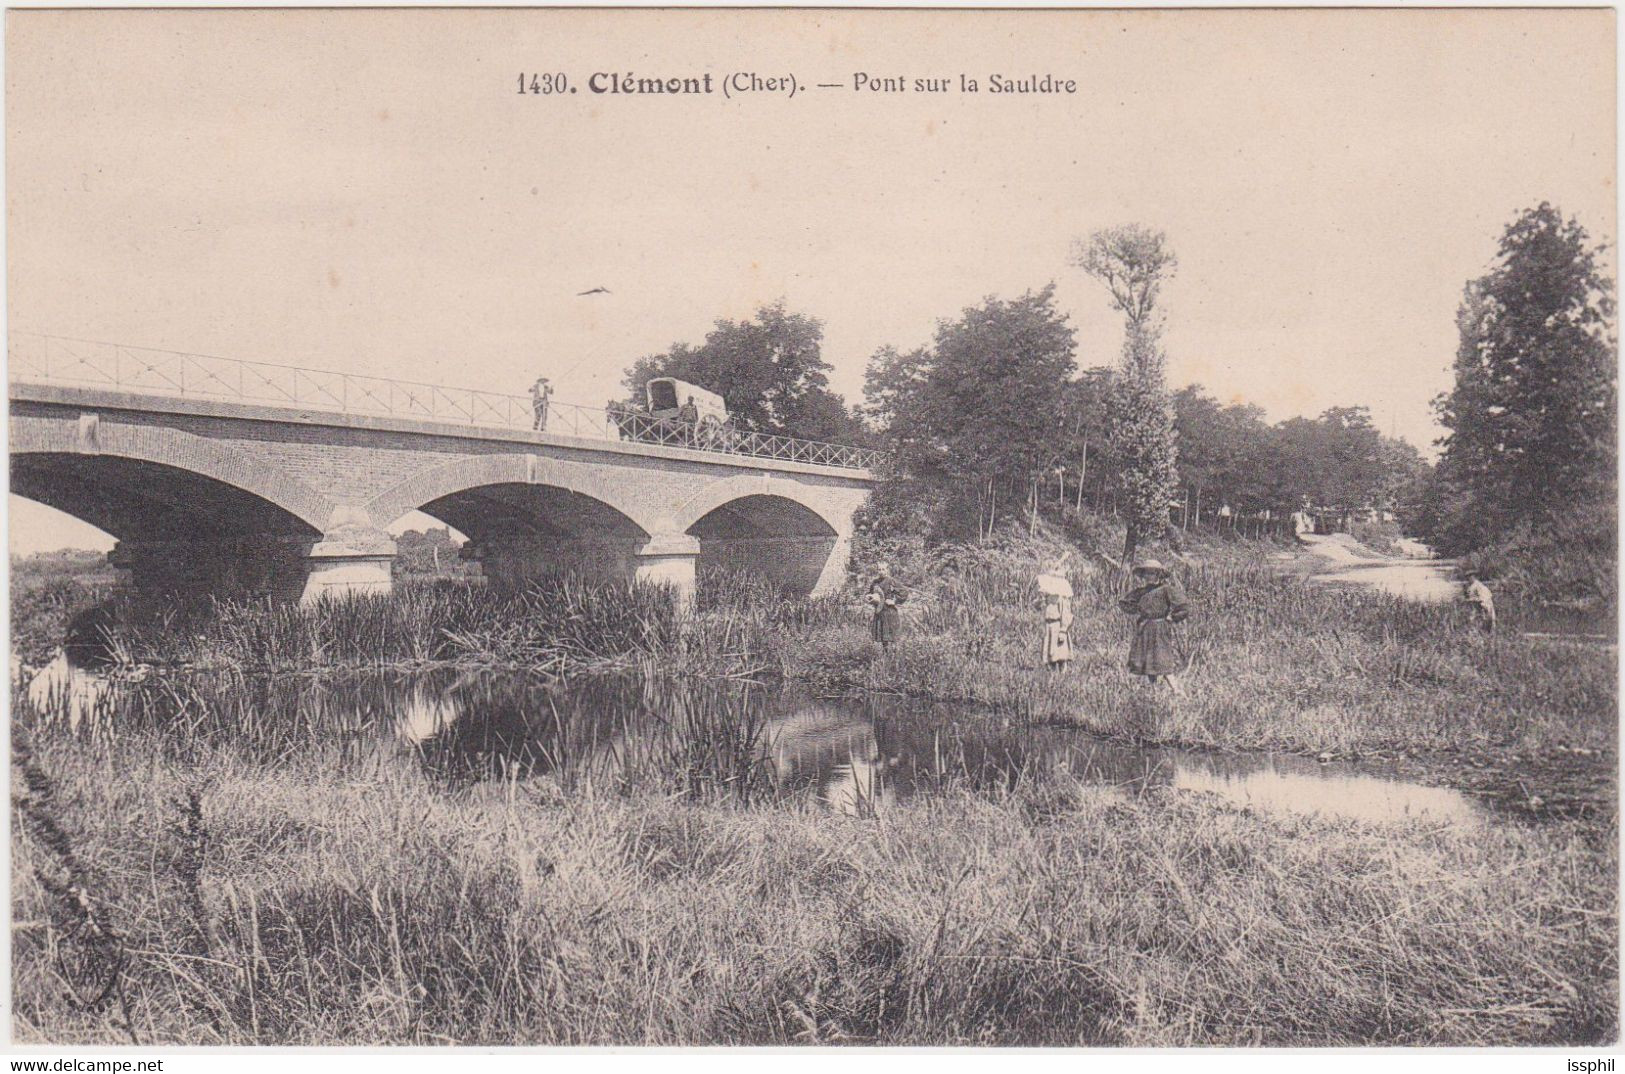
(176, 886)
(214, 900)
(1278, 663)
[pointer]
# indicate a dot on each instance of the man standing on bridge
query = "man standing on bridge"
(540, 393)
(688, 421)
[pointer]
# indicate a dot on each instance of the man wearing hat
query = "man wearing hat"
(1157, 602)
(540, 393)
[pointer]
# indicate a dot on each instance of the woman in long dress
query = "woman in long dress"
(1057, 592)
(1157, 602)
(884, 596)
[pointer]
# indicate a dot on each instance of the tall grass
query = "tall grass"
(1277, 662)
(557, 622)
(308, 904)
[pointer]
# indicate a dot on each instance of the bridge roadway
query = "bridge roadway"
(242, 498)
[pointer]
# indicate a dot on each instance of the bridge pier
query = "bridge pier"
(240, 568)
(349, 560)
(669, 559)
(513, 560)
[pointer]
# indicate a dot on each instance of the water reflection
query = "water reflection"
(852, 756)
(832, 748)
(1298, 785)
(71, 694)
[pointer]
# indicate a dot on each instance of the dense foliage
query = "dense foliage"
(983, 410)
(431, 552)
(1231, 456)
(1527, 476)
(770, 370)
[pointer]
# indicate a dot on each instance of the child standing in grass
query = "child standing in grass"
(884, 597)
(1158, 602)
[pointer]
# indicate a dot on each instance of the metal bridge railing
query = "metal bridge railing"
(41, 359)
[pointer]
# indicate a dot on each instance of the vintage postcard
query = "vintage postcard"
(777, 527)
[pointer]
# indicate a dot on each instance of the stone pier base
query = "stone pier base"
(249, 568)
(669, 560)
(350, 561)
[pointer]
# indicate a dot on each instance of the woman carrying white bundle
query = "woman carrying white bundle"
(1057, 593)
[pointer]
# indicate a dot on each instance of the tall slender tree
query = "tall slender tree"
(1133, 262)
(1531, 418)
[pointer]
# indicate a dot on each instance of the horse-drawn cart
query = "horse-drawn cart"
(677, 413)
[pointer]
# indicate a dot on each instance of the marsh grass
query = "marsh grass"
(305, 905)
(270, 879)
(1276, 663)
(559, 622)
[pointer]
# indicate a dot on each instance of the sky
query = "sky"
(366, 191)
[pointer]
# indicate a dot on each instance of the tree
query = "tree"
(1133, 262)
(985, 407)
(895, 387)
(1341, 460)
(770, 370)
(1225, 453)
(1088, 424)
(1531, 417)
(429, 552)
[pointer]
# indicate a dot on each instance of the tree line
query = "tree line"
(998, 416)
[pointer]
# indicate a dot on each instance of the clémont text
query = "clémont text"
(747, 83)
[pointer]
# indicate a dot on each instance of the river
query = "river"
(467, 730)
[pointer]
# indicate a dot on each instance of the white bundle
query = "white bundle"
(1054, 585)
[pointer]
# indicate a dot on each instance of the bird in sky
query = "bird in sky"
(594, 291)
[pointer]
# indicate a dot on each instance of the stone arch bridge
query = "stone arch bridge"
(238, 497)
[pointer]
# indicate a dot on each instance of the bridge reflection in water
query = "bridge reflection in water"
(464, 729)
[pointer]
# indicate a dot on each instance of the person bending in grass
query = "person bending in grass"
(1476, 593)
(1157, 602)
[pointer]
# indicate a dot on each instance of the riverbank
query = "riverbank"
(286, 881)
(1278, 662)
(327, 897)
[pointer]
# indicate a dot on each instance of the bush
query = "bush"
(1378, 536)
(1572, 563)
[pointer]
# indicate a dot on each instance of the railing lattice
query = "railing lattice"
(42, 359)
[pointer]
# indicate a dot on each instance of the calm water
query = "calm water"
(853, 756)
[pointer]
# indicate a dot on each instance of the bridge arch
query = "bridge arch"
(524, 494)
(816, 515)
(150, 482)
(769, 528)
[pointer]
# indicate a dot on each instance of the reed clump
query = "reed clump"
(558, 622)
